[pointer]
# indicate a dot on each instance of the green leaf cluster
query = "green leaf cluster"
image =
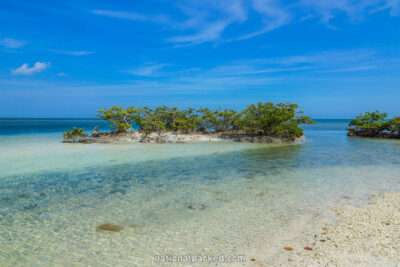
(226, 120)
(394, 125)
(373, 123)
(274, 119)
(74, 134)
(121, 119)
(370, 122)
(263, 118)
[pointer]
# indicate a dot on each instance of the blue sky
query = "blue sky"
(71, 58)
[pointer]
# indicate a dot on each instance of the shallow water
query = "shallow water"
(199, 199)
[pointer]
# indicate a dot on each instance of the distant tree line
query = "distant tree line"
(280, 120)
(373, 124)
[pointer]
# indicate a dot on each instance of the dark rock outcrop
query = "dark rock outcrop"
(387, 135)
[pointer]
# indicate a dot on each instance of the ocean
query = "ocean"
(176, 199)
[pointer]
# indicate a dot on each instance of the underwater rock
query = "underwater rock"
(223, 200)
(109, 227)
(197, 207)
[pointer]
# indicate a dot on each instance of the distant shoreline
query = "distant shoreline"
(179, 137)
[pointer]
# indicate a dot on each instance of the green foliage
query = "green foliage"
(264, 118)
(74, 134)
(225, 120)
(374, 124)
(273, 120)
(394, 125)
(157, 126)
(370, 122)
(188, 122)
(152, 120)
(121, 119)
(207, 118)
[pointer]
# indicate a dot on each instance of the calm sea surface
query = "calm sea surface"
(199, 199)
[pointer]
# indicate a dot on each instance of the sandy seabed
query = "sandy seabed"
(367, 235)
(361, 236)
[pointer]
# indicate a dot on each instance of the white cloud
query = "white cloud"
(355, 10)
(324, 58)
(259, 69)
(147, 70)
(336, 61)
(266, 77)
(208, 33)
(353, 69)
(207, 20)
(131, 16)
(73, 53)
(274, 16)
(393, 6)
(12, 43)
(26, 70)
(62, 74)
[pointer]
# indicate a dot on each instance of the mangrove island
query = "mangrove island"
(375, 124)
(259, 123)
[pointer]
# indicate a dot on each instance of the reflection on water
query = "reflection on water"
(130, 203)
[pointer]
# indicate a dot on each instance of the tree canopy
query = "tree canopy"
(395, 124)
(273, 120)
(270, 119)
(121, 119)
(373, 123)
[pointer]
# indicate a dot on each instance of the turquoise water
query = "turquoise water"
(201, 198)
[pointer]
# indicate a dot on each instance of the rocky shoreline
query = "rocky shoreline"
(386, 135)
(176, 137)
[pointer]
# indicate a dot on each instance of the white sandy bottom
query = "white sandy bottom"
(361, 236)
(254, 216)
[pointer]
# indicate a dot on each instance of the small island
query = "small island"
(257, 123)
(375, 124)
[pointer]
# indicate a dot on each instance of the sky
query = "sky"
(335, 59)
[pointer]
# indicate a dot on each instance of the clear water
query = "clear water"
(199, 199)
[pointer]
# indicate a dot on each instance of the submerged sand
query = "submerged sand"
(361, 236)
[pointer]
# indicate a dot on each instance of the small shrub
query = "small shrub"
(73, 135)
